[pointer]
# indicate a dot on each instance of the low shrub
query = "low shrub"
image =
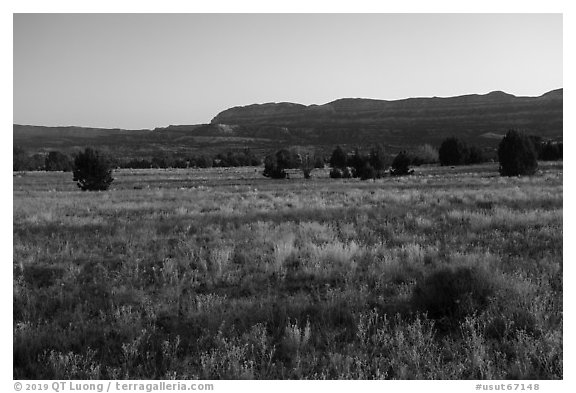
(335, 173)
(42, 275)
(401, 165)
(452, 152)
(475, 156)
(366, 171)
(448, 295)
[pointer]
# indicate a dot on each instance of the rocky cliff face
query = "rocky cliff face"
(490, 112)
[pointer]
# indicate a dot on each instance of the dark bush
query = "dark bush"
(366, 171)
(23, 162)
(275, 165)
(137, 164)
(546, 150)
(236, 158)
(517, 155)
(401, 164)
(36, 162)
(42, 275)
(272, 169)
(338, 158)
(475, 155)
(180, 163)
(204, 162)
(336, 173)
(448, 295)
(355, 161)
(377, 159)
(319, 162)
(551, 151)
(307, 164)
(56, 161)
(20, 159)
(362, 167)
(161, 162)
(538, 143)
(287, 159)
(92, 171)
(452, 152)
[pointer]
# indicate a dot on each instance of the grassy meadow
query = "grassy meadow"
(225, 274)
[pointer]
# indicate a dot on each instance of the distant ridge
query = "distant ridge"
(372, 111)
(478, 118)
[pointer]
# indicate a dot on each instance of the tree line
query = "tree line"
(58, 161)
(456, 152)
(275, 165)
(518, 154)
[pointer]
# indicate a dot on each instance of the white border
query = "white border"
(247, 6)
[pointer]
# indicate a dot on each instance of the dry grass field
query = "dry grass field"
(446, 274)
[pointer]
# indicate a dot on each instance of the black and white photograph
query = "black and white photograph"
(287, 196)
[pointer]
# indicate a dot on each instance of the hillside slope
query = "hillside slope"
(472, 115)
(479, 119)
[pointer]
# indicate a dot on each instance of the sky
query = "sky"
(139, 71)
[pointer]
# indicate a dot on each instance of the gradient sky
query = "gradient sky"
(151, 70)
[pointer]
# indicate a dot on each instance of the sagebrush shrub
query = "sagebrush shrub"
(448, 295)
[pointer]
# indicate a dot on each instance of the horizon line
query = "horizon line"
(287, 102)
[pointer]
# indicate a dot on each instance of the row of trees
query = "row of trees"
(226, 159)
(373, 165)
(57, 161)
(275, 165)
(547, 150)
(517, 153)
(90, 170)
(453, 151)
(53, 161)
